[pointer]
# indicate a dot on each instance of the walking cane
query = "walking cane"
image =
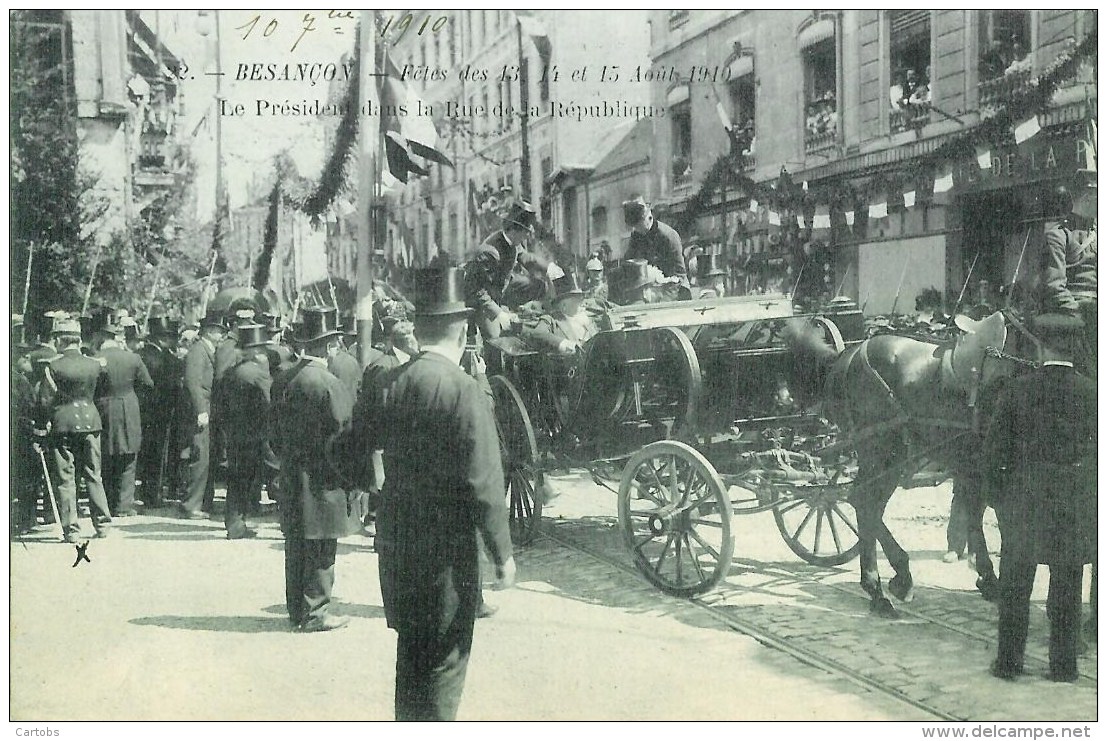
(50, 490)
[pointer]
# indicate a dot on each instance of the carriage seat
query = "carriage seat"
(961, 366)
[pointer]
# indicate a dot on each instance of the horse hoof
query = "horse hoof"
(882, 607)
(902, 588)
(989, 589)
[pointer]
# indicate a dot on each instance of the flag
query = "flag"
(799, 221)
(753, 204)
(944, 182)
(909, 199)
(849, 218)
(406, 136)
(984, 158)
(721, 110)
(774, 218)
(804, 186)
(533, 27)
(1027, 129)
(878, 210)
(822, 218)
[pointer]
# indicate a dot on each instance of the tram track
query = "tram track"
(766, 638)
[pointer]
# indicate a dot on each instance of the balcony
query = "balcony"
(821, 128)
(996, 91)
(682, 170)
(677, 18)
(908, 117)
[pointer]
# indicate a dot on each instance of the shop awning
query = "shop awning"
(816, 32)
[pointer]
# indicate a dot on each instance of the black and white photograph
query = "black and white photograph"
(554, 365)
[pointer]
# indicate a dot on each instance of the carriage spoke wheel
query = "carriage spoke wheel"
(675, 516)
(519, 452)
(677, 379)
(819, 525)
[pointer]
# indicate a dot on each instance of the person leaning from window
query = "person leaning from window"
(655, 242)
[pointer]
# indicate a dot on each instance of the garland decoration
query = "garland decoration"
(269, 241)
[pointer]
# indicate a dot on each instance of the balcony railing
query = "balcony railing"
(821, 126)
(682, 170)
(910, 116)
(994, 92)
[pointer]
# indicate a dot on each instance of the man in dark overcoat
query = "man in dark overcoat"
(502, 274)
(310, 406)
(247, 389)
(655, 242)
(160, 407)
(74, 429)
(1041, 450)
(199, 375)
(117, 403)
(443, 484)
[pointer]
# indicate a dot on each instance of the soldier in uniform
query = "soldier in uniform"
(74, 431)
(117, 403)
(1041, 451)
(502, 274)
(430, 516)
(199, 375)
(247, 387)
(160, 408)
(1070, 266)
(712, 277)
(310, 407)
(655, 242)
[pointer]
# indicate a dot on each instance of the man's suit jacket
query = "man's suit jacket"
(199, 375)
(443, 483)
(310, 406)
(117, 401)
(661, 247)
(1070, 268)
(247, 389)
(347, 369)
(501, 274)
(75, 375)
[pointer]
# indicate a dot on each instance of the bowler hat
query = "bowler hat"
(566, 285)
(709, 265)
(522, 215)
(253, 335)
(320, 323)
(439, 292)
(634, 210)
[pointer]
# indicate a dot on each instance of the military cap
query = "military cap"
(523, 215)
(634, 210)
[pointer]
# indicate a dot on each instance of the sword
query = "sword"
(50, 489)
(899, 289)
(1018, 266)
(961, 296)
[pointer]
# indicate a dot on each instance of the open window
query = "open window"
(743, 118)
(1004, 62)
(909, 76)
(599, 221)
(820, 82)
(680, 114)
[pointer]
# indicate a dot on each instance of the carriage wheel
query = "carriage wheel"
(678, 372)
(675, 515)
(819, 525)
(519, 452)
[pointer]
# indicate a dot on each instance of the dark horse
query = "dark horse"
(901, 401)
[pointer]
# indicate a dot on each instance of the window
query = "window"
(680, 113)
(820, 95)
(743, 117)
(1005, 60)
(909, 79)
(677, 18)
(599, 221)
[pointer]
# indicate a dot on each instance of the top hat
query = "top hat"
(709, 265)
(213, 319)
(522, 215)
(566, 285)
(252, 335)
(162, 326)
(593, 264)
(439, 292)
(320, 323)
(634, 211)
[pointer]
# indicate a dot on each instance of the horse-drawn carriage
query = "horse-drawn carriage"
(684, 409)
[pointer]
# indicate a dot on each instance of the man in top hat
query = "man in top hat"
(120, 415)
(502, 274)
(712, 277)
(247, 389)
(310, 407)
(637, 282)
(342, 363)
(1041, 451)
(655, 242)
(199, 377)
(74, 430)
(1070, 264)
(567, 327)
(160, 408)
(430, 515)
(595, 287)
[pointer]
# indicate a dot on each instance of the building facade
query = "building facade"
(863, 108)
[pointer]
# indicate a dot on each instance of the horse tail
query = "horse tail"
(812, 355)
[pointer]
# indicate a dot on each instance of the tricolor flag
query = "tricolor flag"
(1027, 129)
(533, 27)
(849, 218)
(909, 199)
(822, 218)
(878, 210)
(944, 182)
(774, 218)
(984, 158)
(406, 137)
(753, 204)
(800, 222)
